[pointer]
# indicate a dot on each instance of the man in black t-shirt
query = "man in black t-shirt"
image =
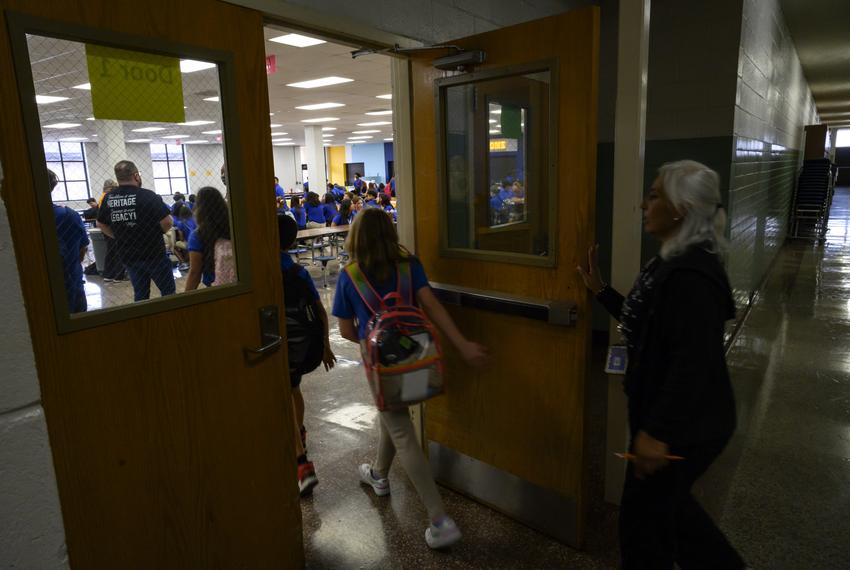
(137, 218)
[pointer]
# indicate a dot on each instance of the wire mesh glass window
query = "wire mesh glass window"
(68, 161)
(169, 169)
(142, 134)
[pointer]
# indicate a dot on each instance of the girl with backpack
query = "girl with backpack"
(374, 249)
(207, 242)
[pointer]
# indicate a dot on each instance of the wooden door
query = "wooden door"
(168, 454)
(523, 417)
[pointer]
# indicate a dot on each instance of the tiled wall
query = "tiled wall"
(772, 105)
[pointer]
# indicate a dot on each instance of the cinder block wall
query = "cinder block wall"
(773, 103)
(726, 88)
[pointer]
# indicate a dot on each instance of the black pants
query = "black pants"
(662, 523)
(112, 266)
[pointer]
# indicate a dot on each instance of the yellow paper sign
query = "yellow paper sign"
(135, 86)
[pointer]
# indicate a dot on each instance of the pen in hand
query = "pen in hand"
(632, 457)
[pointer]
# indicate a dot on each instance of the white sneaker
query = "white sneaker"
(443, 534)
(380, 486)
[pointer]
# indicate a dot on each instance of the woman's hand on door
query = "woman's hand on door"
(591, 277)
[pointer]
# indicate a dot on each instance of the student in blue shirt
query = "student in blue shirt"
(387, 205)
(185, 225)
(392, 186)
(338, 192)
(287, 232)
(345, 215)
(505, 192)
(73, 242)
(178, 201)
(298, 212)
(359, 185)
(213, 224)
(373, 244)
(278, 191)
(371, 199)
(314, 211)
(329, 208)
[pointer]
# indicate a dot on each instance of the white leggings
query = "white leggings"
(396, 435)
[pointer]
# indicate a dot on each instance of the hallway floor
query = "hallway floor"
(781, 491)
(788, 467)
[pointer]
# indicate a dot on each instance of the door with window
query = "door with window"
(505, 191)
(168, 409)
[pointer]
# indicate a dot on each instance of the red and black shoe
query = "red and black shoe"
(307, 479)
(303, 432)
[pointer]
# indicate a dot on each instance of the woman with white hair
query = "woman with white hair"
(680, 401)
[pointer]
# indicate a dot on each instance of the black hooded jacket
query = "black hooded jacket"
(677, 381)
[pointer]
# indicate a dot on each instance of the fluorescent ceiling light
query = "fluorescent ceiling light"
(387, 96)
(74, 139)
(492, 121)
(90, 118)
(389, 139)
(495, 132)
(320, 120)
(297, 40)
(285, 144)
(196, 123)
(366, 132)
(375, 124)
(45, 99)
(62, 126)
(274, 126)
(279, 134)
(280, 140)
(190, 65)
(496, 111)
(215, 132)
(86, 86)
(328, 128)
(355, 142)
(321, 82)
(388, 112)
(196, 141)
(360, 137)
(328, 136)
(319, 106)
(177, 137)
(139, 140)
(149, 129)
(326, 144)
(215, 99)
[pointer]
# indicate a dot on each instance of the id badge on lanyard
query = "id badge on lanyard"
(617, 361)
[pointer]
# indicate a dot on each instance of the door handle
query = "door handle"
(271, 343)
(269, 331)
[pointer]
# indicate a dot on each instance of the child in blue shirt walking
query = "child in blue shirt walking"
(287, 232)
(373, 244)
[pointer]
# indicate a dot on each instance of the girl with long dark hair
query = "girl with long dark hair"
(213, 218)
